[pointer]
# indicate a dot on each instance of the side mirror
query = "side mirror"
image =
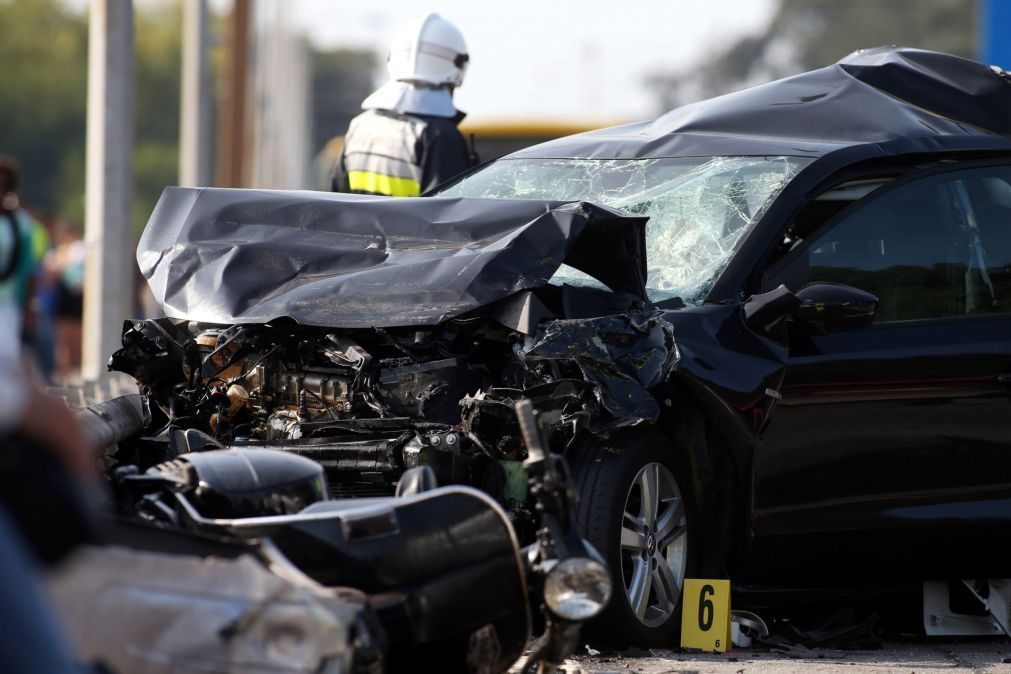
(831, 307)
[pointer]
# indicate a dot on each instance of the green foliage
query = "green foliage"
(827, 30)
(43, 102)
(43, 56)
(808, 34)
(157, 73)
(43, 99)
(155, 165)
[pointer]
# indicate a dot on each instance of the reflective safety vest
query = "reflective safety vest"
(399, 155)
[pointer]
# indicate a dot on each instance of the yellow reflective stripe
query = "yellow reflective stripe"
(377, 183)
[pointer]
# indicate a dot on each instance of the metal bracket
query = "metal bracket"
(995, 595)
(940, 620)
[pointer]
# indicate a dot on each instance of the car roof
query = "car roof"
(872, 96)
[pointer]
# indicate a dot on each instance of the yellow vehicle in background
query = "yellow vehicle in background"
(491, 140)
(494, 139)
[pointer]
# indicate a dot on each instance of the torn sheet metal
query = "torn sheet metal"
(621, 356)
(871, 96)
(522, 312)
(344, 261)
(564, 406)
(139, 611)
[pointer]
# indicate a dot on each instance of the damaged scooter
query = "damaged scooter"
(236, 560)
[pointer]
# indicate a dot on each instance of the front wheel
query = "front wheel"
(633, 510)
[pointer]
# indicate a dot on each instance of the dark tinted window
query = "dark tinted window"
(936, 247)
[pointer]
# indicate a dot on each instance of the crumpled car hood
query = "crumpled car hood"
(349, 261)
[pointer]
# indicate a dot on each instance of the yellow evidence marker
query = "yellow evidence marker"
(705, 614)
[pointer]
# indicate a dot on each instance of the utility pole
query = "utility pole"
(108, 235)
(195, 115)
(233, 158)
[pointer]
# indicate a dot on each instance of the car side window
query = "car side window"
(936, 247)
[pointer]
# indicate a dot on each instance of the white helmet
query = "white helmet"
(428, 51)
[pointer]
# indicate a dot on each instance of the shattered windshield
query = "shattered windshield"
(699, 208)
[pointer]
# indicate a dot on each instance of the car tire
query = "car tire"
(611, 478)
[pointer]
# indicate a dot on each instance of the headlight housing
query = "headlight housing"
(577, 589)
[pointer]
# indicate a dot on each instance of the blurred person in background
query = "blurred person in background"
(37, 433)
(17, 239)
(407, 142)
(32, 422)
(43, 305)
(64, 268)
(31, 244)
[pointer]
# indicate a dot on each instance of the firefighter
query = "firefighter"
(407, 140)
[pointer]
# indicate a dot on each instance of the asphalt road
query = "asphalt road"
(923, 655)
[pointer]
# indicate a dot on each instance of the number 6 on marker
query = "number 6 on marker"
(706, 608)
(705, 615)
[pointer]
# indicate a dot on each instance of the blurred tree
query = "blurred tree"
(43, 60)
(43, 97)
(157, 74)
(808, 34)
(341, 80)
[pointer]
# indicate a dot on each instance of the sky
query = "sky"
(573, 60)
(580, 60)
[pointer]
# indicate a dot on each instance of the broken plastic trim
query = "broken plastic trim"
(622, 357)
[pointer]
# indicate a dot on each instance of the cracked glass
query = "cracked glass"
(699, 208)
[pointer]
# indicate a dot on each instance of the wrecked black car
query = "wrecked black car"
(769, 331)
(392, 334)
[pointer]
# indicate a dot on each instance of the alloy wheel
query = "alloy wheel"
(654, 548)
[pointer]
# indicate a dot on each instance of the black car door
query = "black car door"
(891, 443)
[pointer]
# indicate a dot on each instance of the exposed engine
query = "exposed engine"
(369, 403)
(277, 383)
